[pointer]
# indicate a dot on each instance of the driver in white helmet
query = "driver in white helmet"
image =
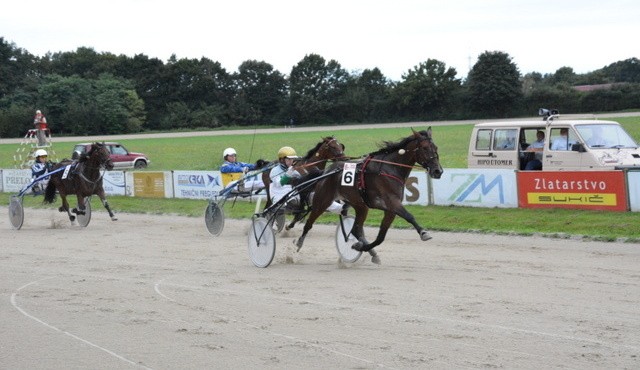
(39, 168)
(231, 165)
(284, 176)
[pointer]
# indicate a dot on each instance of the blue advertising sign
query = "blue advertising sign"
(476, 188)
(196, 184)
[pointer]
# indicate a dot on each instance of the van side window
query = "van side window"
(505, 139)
(483, 140)
(562, 139)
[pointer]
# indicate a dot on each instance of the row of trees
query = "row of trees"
(88, 93)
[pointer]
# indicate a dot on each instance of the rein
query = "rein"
(395, 163)
(92, 182)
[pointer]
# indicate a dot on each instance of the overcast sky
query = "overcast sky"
(394, 36)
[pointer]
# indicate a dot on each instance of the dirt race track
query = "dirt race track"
(159, 292)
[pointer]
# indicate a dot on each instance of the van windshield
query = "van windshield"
(605, 136)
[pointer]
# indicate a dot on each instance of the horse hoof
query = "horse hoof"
(424, 235)
(357, 246)
(114, 219)
(61, 209)
(72, 218)
(375, 259)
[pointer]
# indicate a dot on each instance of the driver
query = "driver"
(284, 176)
(232, 165)
(39, 168)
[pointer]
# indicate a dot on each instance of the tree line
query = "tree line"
(88, 93)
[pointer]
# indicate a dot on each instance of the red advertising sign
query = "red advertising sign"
(597, 190)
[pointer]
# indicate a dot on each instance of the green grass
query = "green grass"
(204, 153)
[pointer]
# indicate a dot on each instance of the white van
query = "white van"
(588, 145)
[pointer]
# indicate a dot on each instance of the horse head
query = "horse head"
(330, 149)
(427, 153)
(100, 156)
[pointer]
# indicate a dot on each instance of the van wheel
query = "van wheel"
(140, 165)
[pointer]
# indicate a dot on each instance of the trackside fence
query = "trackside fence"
(597, 190)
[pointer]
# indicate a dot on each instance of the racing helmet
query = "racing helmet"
(40, 153)
(228, 151)
(287, 152)
(38, 112)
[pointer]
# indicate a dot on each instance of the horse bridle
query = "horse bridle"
(94, 183)
(420, 150)
(327, 145)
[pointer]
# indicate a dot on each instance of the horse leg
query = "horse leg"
(424, 234)
(319, 203)
(81, 205)
(297, 216)
(358, 226)
(382, 233)
(103, 199)
(315, 213)
(65, 207)
(374, 256)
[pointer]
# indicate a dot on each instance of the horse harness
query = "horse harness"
(77, 169)
(361, 170)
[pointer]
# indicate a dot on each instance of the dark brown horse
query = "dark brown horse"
(328, 149)
(82, 179)
(378, 183)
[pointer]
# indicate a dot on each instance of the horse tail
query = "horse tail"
(50, 192)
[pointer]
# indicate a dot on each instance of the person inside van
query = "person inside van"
(537, 147)
(562, 142)
(509, 141)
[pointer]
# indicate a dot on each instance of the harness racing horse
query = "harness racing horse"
(379, 183)
(85, 180)
(328, 149)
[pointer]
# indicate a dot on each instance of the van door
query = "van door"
(558, 155)
(495, 148)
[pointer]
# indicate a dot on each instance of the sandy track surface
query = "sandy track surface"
(159, 292)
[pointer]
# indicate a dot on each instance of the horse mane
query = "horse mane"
(392, 146)
(313, 151)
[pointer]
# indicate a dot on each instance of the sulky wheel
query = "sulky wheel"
(16, 212)
(345, 239)
(214, 219)
(83, 220)
(262, 242)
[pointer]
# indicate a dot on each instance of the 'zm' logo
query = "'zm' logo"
(472, 182)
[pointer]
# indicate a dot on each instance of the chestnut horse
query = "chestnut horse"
(378, 182)
(84, 180)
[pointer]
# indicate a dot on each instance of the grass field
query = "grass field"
(204, 153)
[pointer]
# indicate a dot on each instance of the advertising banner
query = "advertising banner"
(196, 184)
(633, 184)
(416, 189)
(597, 190)
(476, 188)
(113, 182)
(14, 180)
(149, 184)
